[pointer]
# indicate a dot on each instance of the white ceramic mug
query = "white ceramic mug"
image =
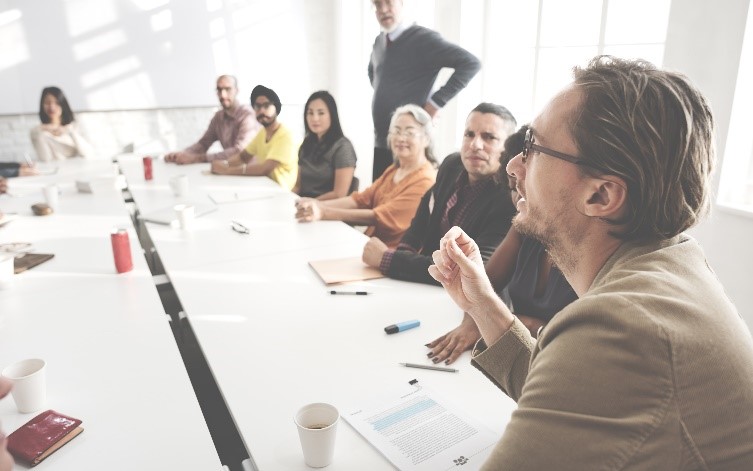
(29, 384)
(317, 427)
(179, 185)
(52, 196)
(185, 213)
(7, 262)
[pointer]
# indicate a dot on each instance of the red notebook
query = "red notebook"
(42, 436)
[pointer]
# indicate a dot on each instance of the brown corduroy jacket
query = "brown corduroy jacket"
(651, 369)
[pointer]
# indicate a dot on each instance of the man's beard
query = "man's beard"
(265, 120)
(554, 233)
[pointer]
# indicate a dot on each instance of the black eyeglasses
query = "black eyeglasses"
(259, 106)
(528, 146)
(239, 228)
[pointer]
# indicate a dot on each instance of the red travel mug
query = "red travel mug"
(121, 250)
(147, 168)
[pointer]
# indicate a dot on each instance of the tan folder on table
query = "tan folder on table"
(342, 270)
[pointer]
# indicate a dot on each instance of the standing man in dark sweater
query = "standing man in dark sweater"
(404, 65)
(468, 193)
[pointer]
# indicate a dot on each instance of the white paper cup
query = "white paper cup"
(185, 215)
(317, 427)
(6, 270)
(52, 196)
(29, 384)
(179, 185)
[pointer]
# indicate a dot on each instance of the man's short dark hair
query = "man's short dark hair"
(510, 122)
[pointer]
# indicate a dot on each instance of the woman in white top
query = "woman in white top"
(58, 137)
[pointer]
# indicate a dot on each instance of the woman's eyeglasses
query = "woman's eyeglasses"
(406, 133)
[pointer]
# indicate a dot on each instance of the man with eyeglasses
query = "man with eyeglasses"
(271, 153)
(404, 64)
(233, 126)
(467, 193)
(652, 367)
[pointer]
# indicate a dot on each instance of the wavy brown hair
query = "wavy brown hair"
(655, 130)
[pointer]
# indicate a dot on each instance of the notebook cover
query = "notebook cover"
(342, 270)
(42, 436)
(29, 260)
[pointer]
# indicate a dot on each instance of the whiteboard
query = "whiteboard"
(145, 54)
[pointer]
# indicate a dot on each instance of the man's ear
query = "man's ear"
(607, 198)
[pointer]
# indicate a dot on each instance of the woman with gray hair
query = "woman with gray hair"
(389, 204)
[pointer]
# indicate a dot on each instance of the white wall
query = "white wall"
(136, 54)
(704, 41)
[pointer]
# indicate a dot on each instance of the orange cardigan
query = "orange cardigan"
(395, 204)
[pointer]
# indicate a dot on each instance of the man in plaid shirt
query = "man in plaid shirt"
(468, 193)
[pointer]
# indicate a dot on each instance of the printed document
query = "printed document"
(417, 430)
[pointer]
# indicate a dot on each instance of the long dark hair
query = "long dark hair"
(67, 117)
(335, 131)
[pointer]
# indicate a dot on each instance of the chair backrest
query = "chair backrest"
(354, 185)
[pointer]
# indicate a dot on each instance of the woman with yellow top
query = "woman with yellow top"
(390, 203)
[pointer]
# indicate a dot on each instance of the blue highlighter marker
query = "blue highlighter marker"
(395, 328)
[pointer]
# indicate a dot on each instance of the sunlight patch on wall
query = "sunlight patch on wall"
(9, 16)
(217, 28)
(213, 5)
(110, 71)
(149, 5)
(162, 21)
(98, 44)
(252, 14)
(84, 16)
(129, 92)
(223, 60)
(12, 33)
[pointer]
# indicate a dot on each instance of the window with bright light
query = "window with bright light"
(736, 183)
(531, 47)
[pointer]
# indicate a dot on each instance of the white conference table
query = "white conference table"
(111, 357)
(63, 172)
(275, 339)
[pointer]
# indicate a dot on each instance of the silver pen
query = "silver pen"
(430, 367)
